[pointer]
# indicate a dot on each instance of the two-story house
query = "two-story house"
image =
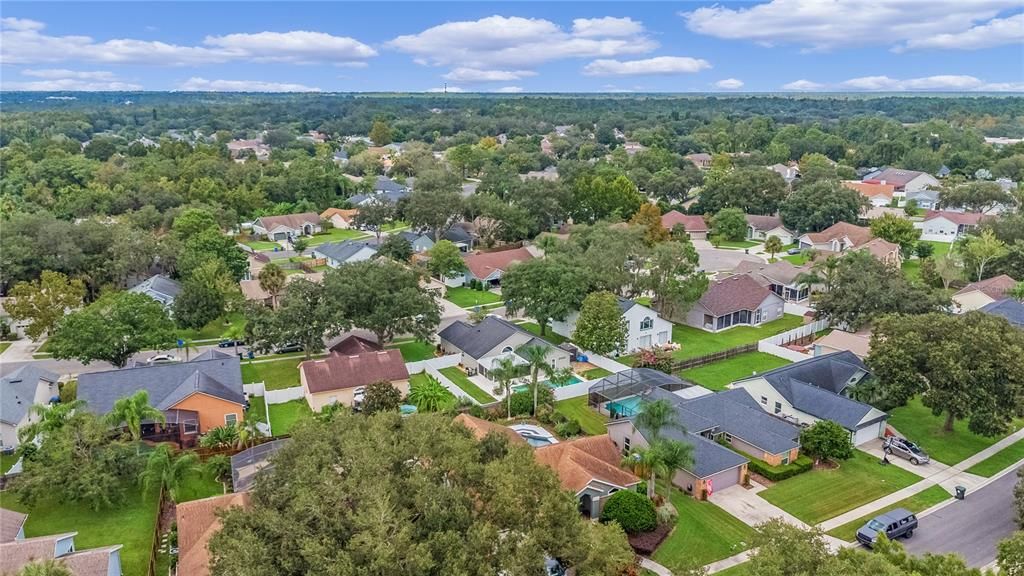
(644, 327)
(19, 391)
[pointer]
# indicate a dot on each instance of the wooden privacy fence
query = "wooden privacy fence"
(714, 357)
(154, 549)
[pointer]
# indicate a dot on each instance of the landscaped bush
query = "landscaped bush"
(780, 473)
(569, 428)
(522, 402)
(633, 511)
(646, 543)
(653, 358)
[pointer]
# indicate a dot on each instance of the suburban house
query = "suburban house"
(346, 252)
(843, 236)
(420, 242)
(339, 217)
(482, 345)
(695, 226)
(480, 428)
(459, 234)
(763, 227)
(903, 181)
(252, 290)
(487, 267)
(924, 199)
(978, 294)
(780, 277)
(644, 327)
(19, 391)
(947, 226)
(241, 149)
(857, 343)
(816, 389)
(876, 212)
(735, 301)
(550, 174)
(878, 194)
(249, 463)
(160, 288)
(16, 551)
(288, 226)
(701, 160)
(589, 468)
(194, 396)
(197, 522)
(1008, 308)
(385, 189)
(788, 173)
(341, 377)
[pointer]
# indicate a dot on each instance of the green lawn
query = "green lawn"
(417, 379)
(737, 570)
(199, 484)
(912, 267)
(6, 461)
(4, 346)
(468, 298)
(643, 301)
(718, 375)
(257, 409)
(596, 373)
(414, 350)
(696, 342)
(818, 495)
(131, 524)
(276, 375)
(335, 235)
(459, 378)
(916, 503)
(284, 416)
(261, 245)
(704, 533)
(213, 330)
(796, 259)
(549, 334)
(393, 226)
(999, 461)
(738, 244)
(917, 423)
(592, 422)
(43, 351)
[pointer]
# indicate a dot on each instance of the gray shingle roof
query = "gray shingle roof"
(478, 340)
(165, 383)
(18, 392)
(625, 304)
(342, 251)
(709, 458)
(1008, 308)
(385, 184)
(158, 287)
(831, 372)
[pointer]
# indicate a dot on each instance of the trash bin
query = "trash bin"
(960, 492)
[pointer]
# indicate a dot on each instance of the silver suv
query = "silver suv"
(906, 449)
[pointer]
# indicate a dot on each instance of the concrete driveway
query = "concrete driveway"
(718, 260)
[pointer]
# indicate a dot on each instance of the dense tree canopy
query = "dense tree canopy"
(113, 328)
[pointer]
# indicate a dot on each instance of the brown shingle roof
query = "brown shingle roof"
(353, 345)
(480, 428)
(857, 234)
(91, 562)
(740, 292)
(995, 287)
(880, 248)
(10, 524)
(764, 223)
(870, 189)
(579, 461)
(691, 223)
(337, 372)
(961, 218)
(345, 214)
(483, 264)
(197, 523)
(293, 221)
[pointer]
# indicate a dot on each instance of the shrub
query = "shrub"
(633, 511)
(666, 513)
(924, 249)
(653, 358)
(826, 439)
(780, 473)
(522, 402)
(569, 428)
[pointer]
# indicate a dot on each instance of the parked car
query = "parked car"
(793, 251)
(163, 359)
(230, 343)
(291, 347)
(906, 449)
(898, 523)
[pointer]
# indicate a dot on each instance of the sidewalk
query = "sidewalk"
(20, 350)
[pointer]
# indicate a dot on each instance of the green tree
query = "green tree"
(648, 217)
(896, 230)
(167, 470)
(208, 245)
(965, 366)
(817, 206)
(673, 277)
(544, 289)
(976, 196)
(981, 250)
(600, 328)
(380, 133)
(773, 245)
(48, 419)
(45, 568)
(305, 316)
(641, 462)
(656, 416)
(536, 357)
(826, 440)
(300, 245)
(374, 215)
(381, 397)
(1010, 556)
(395, 247)
(730, 223)
(272, 280)
(504, 373)
(436, 210)
(948, 267)
(130, 412)
(753, 190)
(204, 295)
(666, 457)
(445, 260)
(633, 511)
(193, 221)
(429, 395)
(44, 302)
(113, 329)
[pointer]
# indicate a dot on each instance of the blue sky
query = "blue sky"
(775, 45)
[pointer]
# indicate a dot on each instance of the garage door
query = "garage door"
(867, 434)
(723, 480)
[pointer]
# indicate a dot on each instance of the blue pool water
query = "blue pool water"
(624, 407)
(548, 383)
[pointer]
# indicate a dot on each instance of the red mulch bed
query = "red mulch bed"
(645, 544)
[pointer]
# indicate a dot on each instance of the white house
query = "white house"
(347, 252)
(644, 328)
(339, 217)
(160, 288)
(947, 226)
(904, 182)
(19, 391)
(287, 226)
(763, 227)
(979, 294)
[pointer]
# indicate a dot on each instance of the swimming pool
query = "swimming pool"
(624, 406)
(549, 384)
(534, 435)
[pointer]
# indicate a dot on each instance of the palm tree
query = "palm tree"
(638, 460)
(428, 394)
(188, 345)
(248, 432)
(504, 374)
(131, 411)
(165, 470)
(220, 437)
(219, 466)
(51, 418)
(272, 280)
(667, 456)
(773, 245)
(49, 567)
(655, 416)
(234, 333)
(536, 359)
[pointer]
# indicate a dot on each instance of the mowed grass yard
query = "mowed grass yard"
(821, 494)
(912, 266)
(718, 375)
(421, 378)
(131, 524)
(592, 422)
(999, 461)
(695, 342)
(284, 416)
(704, 533)
(921, 501)
(549, 334)
(414, 350)
(276, 375)
(917, 423)
(214, 330)
(459, 378)
(335, 235)
(468, 298)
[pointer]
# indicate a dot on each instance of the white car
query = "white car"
(163, 359)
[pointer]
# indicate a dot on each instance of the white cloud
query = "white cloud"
(824, 25)
(196, 84)
(472, 75)
(499, 42)
(53, 80)
(509, 90)
(607, 26)
(803, 86)
(941, 82)
(61, 73)
(729, 84)
(23, 42)
(650, 66)
(453, 89)
(995, 32)
(1002, 87)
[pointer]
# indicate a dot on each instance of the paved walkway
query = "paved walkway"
(20, 350)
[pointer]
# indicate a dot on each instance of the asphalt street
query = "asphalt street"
(72, 367)
(971, 527)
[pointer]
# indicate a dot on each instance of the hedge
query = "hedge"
(780, 473)
(633, 511)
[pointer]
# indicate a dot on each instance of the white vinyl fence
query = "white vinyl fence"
(438, 363)
(608, 364)
(573, 390)
(274, 396)
(449, 384)
(775, 345)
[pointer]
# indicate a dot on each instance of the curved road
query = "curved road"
(971, 527)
